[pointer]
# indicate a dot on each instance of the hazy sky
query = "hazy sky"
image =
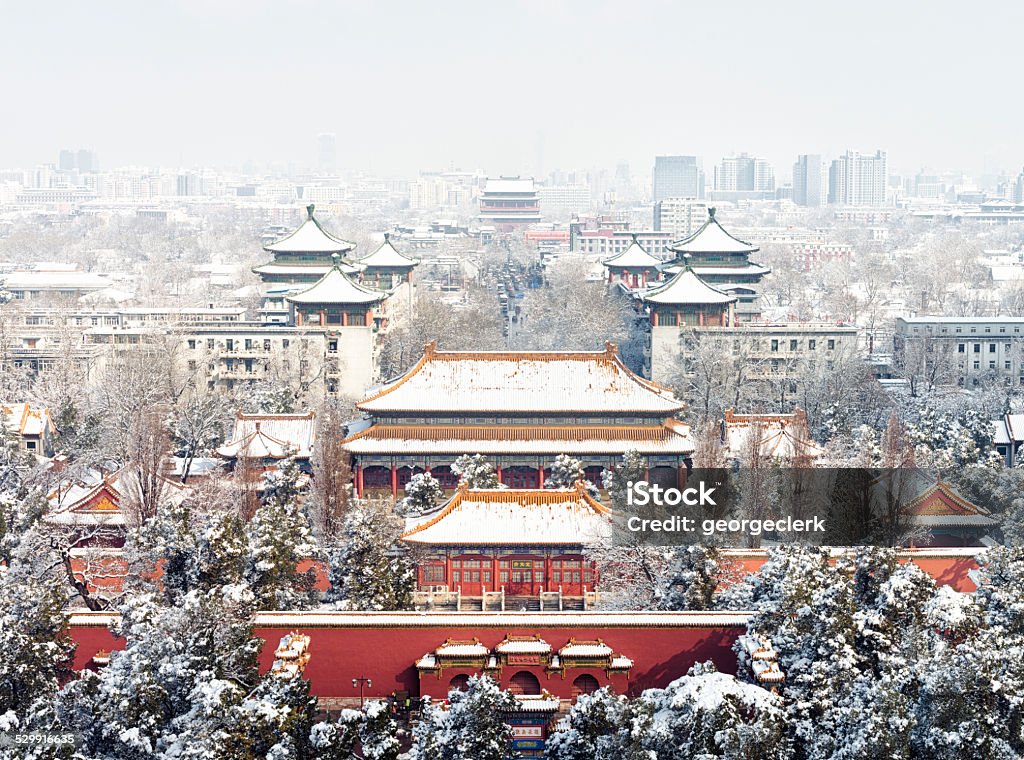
(506, 86)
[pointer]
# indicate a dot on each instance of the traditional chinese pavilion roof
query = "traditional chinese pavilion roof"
(310, 237)
(687, 287)
(596, 648)
(711, 237)
(523, 645)
(671, 437)
(25, 419)
(290, 270)
(336, 287)
(95, 498)
(388, 257)
(783, 436)
(519, 382)
(562, 516)
(271, 436)
(634, 257)
(940, 506)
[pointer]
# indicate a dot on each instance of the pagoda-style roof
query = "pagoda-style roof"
(519, 382)
(712, 238)
(27, 420)
(310, 237)
(336, 287)
(634, 257)
(95, 499)
(671, 437)
(939, 506)
(319, 270)
(388, 257)
(271, 436)
(782, 436)
(523, 645)
(687, 288)
(505, 516)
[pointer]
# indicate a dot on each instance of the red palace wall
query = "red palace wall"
(384, 647)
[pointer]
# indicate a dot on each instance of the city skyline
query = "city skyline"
(189, 84)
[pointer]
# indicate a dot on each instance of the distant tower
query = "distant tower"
(327, 152)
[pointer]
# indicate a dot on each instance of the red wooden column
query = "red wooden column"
(494, 571)
(540, 476)
(498, 470)
(547, 572)
(394, 482)
(359, 480)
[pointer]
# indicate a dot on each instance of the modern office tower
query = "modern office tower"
(677, 177)
(744, 174)
(327, 152)
(810, 180)
(857, 179)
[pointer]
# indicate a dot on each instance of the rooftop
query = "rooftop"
(310, 237)
(712, 238)
(687, 288)
(336, 287)
(517, 382)
(562, 516)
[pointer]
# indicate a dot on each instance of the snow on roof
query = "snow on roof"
(55, 281)
(711, 237)
(310, 237)
(336, 287)
(462, 649)
(783, 436)
(635, 256)
(26, 420)
(687, 287)
(495, 620)
(94, 498)
(562, 516)
(274, 436)
(538, 703)
(523, 645)
(387, 256)
(713, 271)
(285, 270)
(620, 663)
(518, 382)
(672, 437)
(940, 504)
(585, 649)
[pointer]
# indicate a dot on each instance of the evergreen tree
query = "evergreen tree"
(566, 472)
(36, 648)
(476, 471)
(616, 481)
(598, 727)
(472, 728)
(691, 579)
(279, 538)
(422, 494)
(368, 571)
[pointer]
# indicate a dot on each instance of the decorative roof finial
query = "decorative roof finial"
(711, 212)
(686, 262)
(387, 237)
(634, 236)
(336, 258)
(309, 210)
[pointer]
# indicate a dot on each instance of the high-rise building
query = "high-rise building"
(744, 174)
(327, 152)
(810, 180)
(857, 179)
(83, 160)
(66, 162)
(679, 216)
(677, 177)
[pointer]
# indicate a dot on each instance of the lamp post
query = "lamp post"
(361, 682)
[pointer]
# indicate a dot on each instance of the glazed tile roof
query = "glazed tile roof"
(521, 382)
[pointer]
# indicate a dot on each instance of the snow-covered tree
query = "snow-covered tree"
(422, 494)
(691, 578)
(598, 727)
(471, 728)
(36, 647)
(476, 471)
(368, 570)
(616, 481)
(279, 538)
(712, 714)
(566, 472)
